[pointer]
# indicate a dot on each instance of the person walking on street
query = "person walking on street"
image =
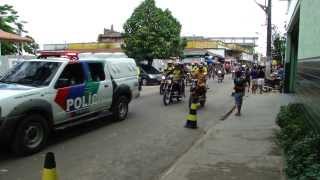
(254, 79)
(239, 89)
(261, 77)
(248, 79)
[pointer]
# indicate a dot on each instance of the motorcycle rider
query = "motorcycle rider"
(210, 67)
(221, 69)
(170, 68)
(194, 67)
(201, 76)
(205, 67)
(178, 75)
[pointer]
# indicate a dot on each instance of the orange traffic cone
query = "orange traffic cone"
(49, 169)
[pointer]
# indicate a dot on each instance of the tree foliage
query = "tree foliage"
(151, 33)
(279, 45)
(31, 47)
(10, 22)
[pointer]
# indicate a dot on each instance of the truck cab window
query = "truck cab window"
(72, 75)
(97, 71)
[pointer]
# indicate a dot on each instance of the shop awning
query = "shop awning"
(5, 36)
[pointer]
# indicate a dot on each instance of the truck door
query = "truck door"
(99, 83)
(70, 93)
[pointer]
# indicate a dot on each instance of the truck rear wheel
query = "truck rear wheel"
(31, 135)
(120, 108)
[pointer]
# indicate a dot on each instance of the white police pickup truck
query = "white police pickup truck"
(41, 95)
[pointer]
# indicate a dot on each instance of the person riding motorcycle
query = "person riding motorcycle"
(178, 76)
(201, 76)
(205, 67)
(170, 68)
(221, 69)
(194, 67)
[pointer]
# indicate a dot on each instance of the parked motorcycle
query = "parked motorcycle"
(196, 93)
(171, 91)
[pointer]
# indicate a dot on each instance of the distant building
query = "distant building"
(302, 64)
(240, 48)
(110, 41)
(110, 36)
(247, 42)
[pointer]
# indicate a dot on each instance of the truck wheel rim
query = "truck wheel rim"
(33, 135)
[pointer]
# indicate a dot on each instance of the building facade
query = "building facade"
(303, 55)
(110, 36)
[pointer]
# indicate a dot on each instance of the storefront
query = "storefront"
(303, 56)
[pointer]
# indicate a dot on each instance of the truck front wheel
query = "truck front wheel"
(31, 135)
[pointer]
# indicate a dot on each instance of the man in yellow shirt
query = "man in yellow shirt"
(201, 76)
(170, 68)
(178, 77)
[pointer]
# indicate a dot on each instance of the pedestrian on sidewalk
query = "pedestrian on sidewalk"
(239, 88)
(261, 77)
(254, 78)
(248, 79)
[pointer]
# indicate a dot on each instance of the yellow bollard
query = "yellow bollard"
(192, 117)
(49, 170)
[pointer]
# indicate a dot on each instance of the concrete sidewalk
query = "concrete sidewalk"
(238, 148)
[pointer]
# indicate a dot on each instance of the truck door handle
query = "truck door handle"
(106, 85)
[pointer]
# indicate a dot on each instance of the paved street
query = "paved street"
(142, 147)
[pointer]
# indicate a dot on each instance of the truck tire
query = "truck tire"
(31, 135)
(120, 108)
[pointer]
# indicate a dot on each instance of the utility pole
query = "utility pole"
(267, 9)
(269, 40)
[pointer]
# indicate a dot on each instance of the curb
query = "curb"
(224, 117)
(194, 144)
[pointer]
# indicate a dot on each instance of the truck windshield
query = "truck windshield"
(31, 73)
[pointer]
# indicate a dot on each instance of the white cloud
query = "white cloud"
(59, 21)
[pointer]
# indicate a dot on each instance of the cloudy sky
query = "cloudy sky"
(60, 21)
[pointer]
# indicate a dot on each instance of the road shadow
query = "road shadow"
(61, 136)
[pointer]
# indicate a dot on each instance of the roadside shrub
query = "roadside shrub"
(300, 144)
(288, 114)
(303, 158)
(293, 127)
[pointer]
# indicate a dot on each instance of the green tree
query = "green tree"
(31, 47)
(151, 33)
(10, 22)
(279, 45)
